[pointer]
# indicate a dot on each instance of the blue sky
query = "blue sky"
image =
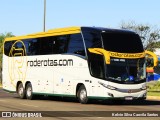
(26, 16)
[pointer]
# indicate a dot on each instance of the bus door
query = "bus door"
(92, 39)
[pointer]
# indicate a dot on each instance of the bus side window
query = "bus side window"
(61, 43)
(96, 65)
(47, 45)
(7, 47)
(53, 45)
(18, 49)
(95, 62)
(32, 46)
(76, 45)
(92, 40)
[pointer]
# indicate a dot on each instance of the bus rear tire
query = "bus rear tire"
(21, 91)
(29, 91)
(82, 95)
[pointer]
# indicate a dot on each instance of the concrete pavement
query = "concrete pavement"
(11, 102)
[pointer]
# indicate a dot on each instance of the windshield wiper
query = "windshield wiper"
(118, 78)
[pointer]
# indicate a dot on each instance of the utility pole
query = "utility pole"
(44, 19)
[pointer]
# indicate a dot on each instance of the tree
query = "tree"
(149, 34)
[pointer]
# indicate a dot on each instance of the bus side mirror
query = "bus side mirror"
(153, 56)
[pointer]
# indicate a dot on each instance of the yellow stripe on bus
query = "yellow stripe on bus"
(54, 32)
(108, 54)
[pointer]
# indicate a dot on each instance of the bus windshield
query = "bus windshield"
(122, 42)
(124, 70)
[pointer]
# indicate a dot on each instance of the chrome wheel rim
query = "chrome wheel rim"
(29, 91)
(20, 91)
(83, 94)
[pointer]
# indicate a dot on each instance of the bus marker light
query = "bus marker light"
(110, 94)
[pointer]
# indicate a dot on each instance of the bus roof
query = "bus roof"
(52, 32)
(63, 31)
(109, 29)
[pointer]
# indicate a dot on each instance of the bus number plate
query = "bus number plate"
(128, 98)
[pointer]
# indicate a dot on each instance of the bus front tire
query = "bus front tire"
(21, 91)
(82, 95)
(29, 92)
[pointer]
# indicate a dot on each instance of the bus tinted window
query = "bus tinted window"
(76, 45)
(53, 45)
(62, 43)
(32, 46)
(122, 42)
(7, 47)
(48, 45)
(18, 49)
(92, 39)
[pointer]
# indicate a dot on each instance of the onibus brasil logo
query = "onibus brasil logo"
(17, 62)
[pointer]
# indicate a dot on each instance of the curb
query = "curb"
(153, 97)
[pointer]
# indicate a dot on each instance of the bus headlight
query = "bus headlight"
(111, 87)
(107, 86)
(144, 87)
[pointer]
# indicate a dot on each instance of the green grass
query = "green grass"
(153, 86)
(153, 93)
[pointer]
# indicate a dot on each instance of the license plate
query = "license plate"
(128, 98)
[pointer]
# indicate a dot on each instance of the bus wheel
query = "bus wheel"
(21, 91)
(82, 95)
(29, 93)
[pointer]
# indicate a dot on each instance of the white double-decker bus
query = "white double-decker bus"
(82, 62)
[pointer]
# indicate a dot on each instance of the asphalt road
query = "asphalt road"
(66, 108)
